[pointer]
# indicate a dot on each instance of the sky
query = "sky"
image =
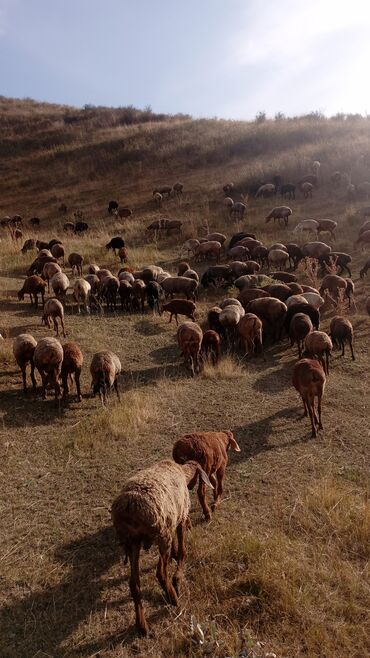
(207, 58)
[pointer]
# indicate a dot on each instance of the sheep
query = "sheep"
(57, 250)
(277, 245)
(123, 213)
(288, 190)
(260, 254)
(209, 450)
(93, 268)
(109, 290)
(309, 225)
(48, 272)
(332, 284)
(309, 380)
(94, 282)
(179, 307)
(230, 301)
(34, 221)
(306, 189)
(210, 249)
(105, 369)
(217, 275)
(278, 258)
(153, 508)
(266, 190)
(165, 189)
(23, 350)
(158, 198)
(37, 265)
(211, 346)
(115, 243)
(33, 286)
(299, 328)
(166, 275)
(338, 259)
(48, 358)
(316, 167)
(17, 234)
(316, 249)
(295, 299)
(112, 206)
(190, 274)
(364, 270)
(284, 277)
(178, 189)
(219, 237)
(363, 239)
(69, 227)
(71, 365)
(213, 319)
(228, 188)
(53, 309)
(180, 285)
(238, 252)
(314, 299)
(81, 227)
(295, 254)
(279, 291)
(306, 288)
(280, 213)
(250, 243)
(271, 311)
(126, 276)
(251, 281)
(327, 226)
(60, 284)
(153, 293)
(239, 268)
(318, 344)
(341, 332)
(229, 320)
(237, 237)
(238, 208)
(295, 288)
(28, 246)
(250, 331)
(123, 254)
(189, 337)
(309, 178)
(228, 202)
(75, 260)
(247, 294)
(307, 309)
(81, 293)
(125, 294)
(138, 295)
(182, 267)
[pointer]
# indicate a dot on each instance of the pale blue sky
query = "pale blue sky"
(225, 58)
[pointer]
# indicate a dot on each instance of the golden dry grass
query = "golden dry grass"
(284, 561)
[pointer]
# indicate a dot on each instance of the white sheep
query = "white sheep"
(60, 284)
(81, 293)
(53, 309)
(307, 225)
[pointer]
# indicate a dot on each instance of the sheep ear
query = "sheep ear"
(233, 444)
(204, 477)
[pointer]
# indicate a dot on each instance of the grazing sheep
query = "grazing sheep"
(288, 190)
(314, 299)
(238, 209)
(279, 291)
(189, 337)
(363, 239)
(57, 250)
(306, 189)
(123, 254)
(327, 226)
(216, 276)
(179, 307)
(75, 260)
(123, 213)
(219, 237)
(48, 272)
(23, 350)
(101, 274)
(81, 293)
(278, 258)
(105, 369)
(210, 249)
(309, 178)
(165, 224)
(239, 253)
(318, 344)
(81, 227)
(182, 267)
(158, 198)
(229, 320)
(309, 225)
(60, 284)
(338, 259)
(250, 243)
(230, 301)
(309, 380)
(115, 243)
(180, 285)
(53, 309)
(211, 346)
(295, 299)
(34, 221)
(272, 312)
(295, 254)
(33, 286)
(251, 281)
(94, 282)
(260, 254)
(93, 268)
(266, 190)
(364, 270)
(153, 508)
(250, 331)
(126, 276)
(48, 358)
(125, 293)
(37, 265)
(109, 290)
(299, 328)
(178, 189)
(237, 237)
(316, 249)
(69, 227)
(248, 294)
(28, 246)
(280, 213)
(112, 206)
(341, 332)
(331, 286)
(165, 189)
(228, 188)
(154, 292)
(138, 295)
(190, 274)
(307, 309)
(71, 365)
(284, 277)
(296, 288)
(209, 449)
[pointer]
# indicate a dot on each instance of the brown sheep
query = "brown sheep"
(210, 249)
(299, 328)
(306, 189)
(332, 284)
(123, 254)
(75, 260)
(238, 253)
(318, 344)
(48, 272)
(105, 369)
(213, 319)
(183, 266)
(211, 346)
(209, 449)
(179, 307)
(250, 331)
(57, 250)
(280, 213)
(125, 293)
(53, 309)
(272, 312)
(279, 291)
(327, 226)
(248, 294)
(23, 350)
(138, 295)
(363, 239)
(72, 365)
(33, 286)
(189, 337)
(284, 277)
(341, 332)
(48, 358)
(60, 284)
(309, 380)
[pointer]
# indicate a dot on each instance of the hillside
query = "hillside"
(284, 560)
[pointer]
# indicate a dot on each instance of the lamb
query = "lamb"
(309, 380)
(75, 260)
(48, 272)
(306, 189)
(332, 284)
(60, 284)
(250, 331)
(53, 309)
(280, 213)
(307, 309)
(178, 189)
(209, 450)
(217, 275)
(288, 190)
(189, 337)
(272, 312)
(158, 198)
(182, 267)
(28, 246)
(23, 350)
(48, 358)
(211, 346)
(180, 285)
(123, 254)
(316, 249)
(81, 293)
(179, 307)
(341, 332)
(105, 369)
(153, 508)
(318, 344)
(210, 249)
(57, 250)
(363, 239)
(266, 190)
(364, 270)
(278, 258)
(33, 286)
(300, 327)
(153, 293)
(71, 365)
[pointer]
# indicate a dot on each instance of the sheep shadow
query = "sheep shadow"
(42, 621)
(43, 413)
(147, 327)
(164, 354)
(149, 376)
(274, 380)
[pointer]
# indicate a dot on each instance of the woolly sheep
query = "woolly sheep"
(189, 337)
(179, 307)
(300, 327)
(180, 285)
(191, 274)
(23, 350)
(272, 312)
(208, 249)
(75, 260)
(182, 267)
(48, 272)
(309, 380)
(105, 369)
(364, 270)
(250, 332)
(307, 225)
(53, 309)
(48, 357)
(313, 298)
(229, 320)
(295, 299)
(57, 250)
(93, 268)
(316, 249)
(331, 286)
(266, 190)
(71, 365)
(81, 293)
(280, 213)
(211, 346)
(60, 284)
(239, 253)
(33, 286)
(363, 239)
(318, 344)
(307, 309)
(327, 226)
(219, 237)
(306, 189)
(190, 246)
(238, 209)
(278, 258)
(341, 332)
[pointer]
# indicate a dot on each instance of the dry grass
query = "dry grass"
(284, 560)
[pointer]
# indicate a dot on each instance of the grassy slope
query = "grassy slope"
(284, 559)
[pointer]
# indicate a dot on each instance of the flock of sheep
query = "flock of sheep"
(153, 506)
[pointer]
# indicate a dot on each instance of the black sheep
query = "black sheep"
(113, 205)
(154, 293)
(309, 310)
(115, 243)
(80, 227)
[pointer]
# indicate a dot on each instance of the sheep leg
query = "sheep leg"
(203, 500)
(56, 328)
(63, 327)
(55, 383)
(65, 384)
(33, 380)
(116, 389)
(181, 555)
(312, 414)
(24, 379)
(78, 387)
(319, 398)
(351, 348)
(162, 574)
(220, 473)
(327, 362)
(342, 346)
(170, 320)
(44, 380)
(135, 589)
(304, 406)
